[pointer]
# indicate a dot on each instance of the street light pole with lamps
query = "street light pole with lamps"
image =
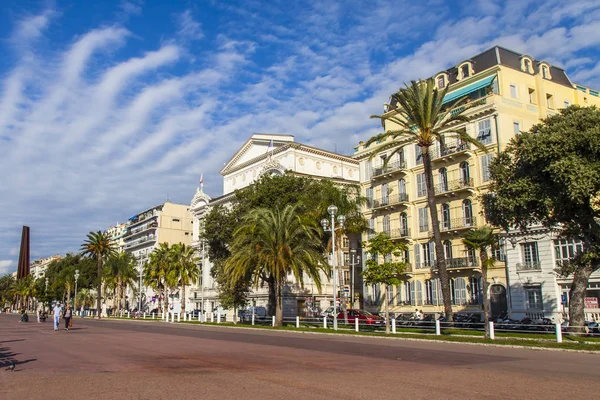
(332, 210)
(75, 299)
(355, 261)
(46, 293)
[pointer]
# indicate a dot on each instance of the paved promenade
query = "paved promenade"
(155, 360)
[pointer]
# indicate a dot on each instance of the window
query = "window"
(399, 289)
(402, 189)
(485, 167)
(565, 250)
(421, 187)
(484, 134)
(345, 241)
(175, 220)
(371, 228)
(467, 212)
(445, 217)
(418, 154)
(403, 224)
(545, 72)
(475, 291)
(464, 71)
(549, 100)
(448, 249)
(419, 293)
(516, 128)
(390, 295)
(386, 224)
(187, 233)
(417, 255)
(377, 293)
(423, 219)
(429, 292)
(370, 196)
(384, 194)
(443, 180)
(530, 253)
(528, 66)
(441, 82)
(346, 258)
(460, 291)
(533, 294)
(513, 91)
(412, 293)
(407, 293)
(428, 254)
(498, 252)
(472, 261)
(465, 176)
(532, 96)
(567, 104)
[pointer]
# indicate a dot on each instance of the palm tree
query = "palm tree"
(185, 268)
(157, 273)
(481, 239)
(99, 246)
(421, 114)
(119, 273)
(276, 243)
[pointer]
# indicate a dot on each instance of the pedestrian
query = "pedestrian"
(57, 311)
(418, 315)
(38, 313)
(82, 312)
(67, 316)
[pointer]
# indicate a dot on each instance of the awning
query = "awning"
(134, 217)
(469, 89)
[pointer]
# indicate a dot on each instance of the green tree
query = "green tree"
(276, 243)
(481, 240)
(157, 274)
(185, 269)
(99, 246)
(420, 114)
(6, 290)
(551, 176)
(388, 272)
(120, 272)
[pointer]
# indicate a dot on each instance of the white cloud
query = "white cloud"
(188, 27)
(6, 267)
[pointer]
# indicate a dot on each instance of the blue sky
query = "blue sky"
(108, 107)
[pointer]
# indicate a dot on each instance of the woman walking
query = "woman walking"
(67, 317)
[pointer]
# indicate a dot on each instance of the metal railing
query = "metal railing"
(389, 168)
(137, 242)
(399, 233)
(448, 149)
(457, 223)
(529, 266)
(452, 186)
(390, 200)
(460, 262)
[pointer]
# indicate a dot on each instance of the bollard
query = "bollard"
(184, 317)
(273, 321)
(252, 319)
(127, 314)
(212, 317)
(144, 315)
(325, 322)
(297, 321)
(438, 330)
(558, 331)
(356, 324)
(393, 325)
(153, 315)
(178, 317)
(219, 317)
(492, 336)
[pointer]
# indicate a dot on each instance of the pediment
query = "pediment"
(255, 147)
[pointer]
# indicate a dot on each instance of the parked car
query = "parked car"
(258, 311)
(329, 312)
(364, 318)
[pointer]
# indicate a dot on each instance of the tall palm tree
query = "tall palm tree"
(185, 268)
(98, 245)
(157, 273)
(119, 273)
(276, 243)
(420, 114)
(482, 239)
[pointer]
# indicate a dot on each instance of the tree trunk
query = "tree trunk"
(272, 296)
(99, 288)
(486, 302)
(234, 315)
(577, 299)
(182, 297)
(279, 304)
(437, 237)
(387, 311)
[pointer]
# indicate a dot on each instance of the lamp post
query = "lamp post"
(355, 261)
(75, 299)
(46, 293)
(140, 293)
(202, 282)
(332, 210)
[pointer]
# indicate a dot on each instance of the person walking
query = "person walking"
(67, 316)
(57, 311)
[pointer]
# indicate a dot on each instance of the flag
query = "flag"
(201, 179)
(270, 148)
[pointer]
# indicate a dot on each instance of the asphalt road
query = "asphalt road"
(156, 360)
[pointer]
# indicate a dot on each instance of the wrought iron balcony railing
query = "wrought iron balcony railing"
(391, 167)
(529, 266)
(399, 233)
(448, 149)
(457, 223)
(453, 186)
(392, 200)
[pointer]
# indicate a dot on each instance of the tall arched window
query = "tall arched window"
(446, 225)
(464, 71)
(386, 224)
(460, 291)
(467, 212)
(402, 190)
(465, 175)
(443, 180)
(448, 249)
(403, 224)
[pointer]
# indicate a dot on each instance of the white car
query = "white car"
(329, 312)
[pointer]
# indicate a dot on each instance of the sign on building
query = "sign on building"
(591, 302)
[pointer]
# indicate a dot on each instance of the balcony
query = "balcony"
(453, 186)
(133, 231)
(401, 233)
(448, 151)
(390, 201)
(529, 266)
(389, 170)
(425, 264)
(460, 263)
(454, 224)
(140, 241)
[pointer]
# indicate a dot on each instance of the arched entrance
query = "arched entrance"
(498, 304)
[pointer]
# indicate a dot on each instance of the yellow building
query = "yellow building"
(507, 93)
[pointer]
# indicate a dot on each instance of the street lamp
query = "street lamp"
(355, 261)
(202, 282)
(75, 299)
(46, 293)
(140, 294)
(332, 210)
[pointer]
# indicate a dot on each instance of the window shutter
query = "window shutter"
(419, 293)
(432, 253)
(399, 294)
(417, 256)
(412, 293)
(434, 291)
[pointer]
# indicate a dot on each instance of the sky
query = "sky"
(110, 107)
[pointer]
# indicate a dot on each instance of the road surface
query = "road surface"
(156, 360)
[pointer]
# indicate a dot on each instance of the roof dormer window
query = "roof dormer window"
(441, 81)
(527, 65)
(465, 70)
(545, 71)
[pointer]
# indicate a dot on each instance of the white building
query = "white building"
(273, 154)
(38, 267)
(536, 290)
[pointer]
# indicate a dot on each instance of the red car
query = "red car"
(364, 318)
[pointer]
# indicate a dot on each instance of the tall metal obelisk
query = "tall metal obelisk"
(23, 269)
